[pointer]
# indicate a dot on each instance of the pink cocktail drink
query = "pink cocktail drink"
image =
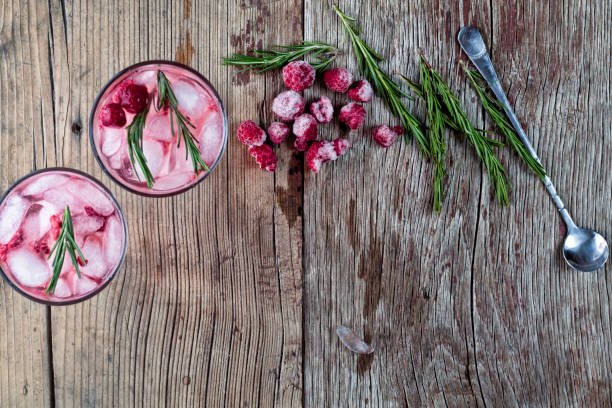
(170, 164)
(31, 216)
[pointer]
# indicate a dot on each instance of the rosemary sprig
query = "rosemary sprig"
(482, 144)
(166, 97)
(65, 242)
(266, 60)
(498, 116)
(436, 121)
(134, 139)
(389, 90)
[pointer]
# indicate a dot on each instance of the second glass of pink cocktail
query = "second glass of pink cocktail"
(176, 157)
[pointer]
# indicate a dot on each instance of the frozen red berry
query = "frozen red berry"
(361, 91)
(301, 145)
(305, 127)
(398, 129)
(41, 246)
(278, 132)
(338, 79)
(352, 115)
(132, 97)
(341, 146)
(298, 75)
(112, 115)
(384, 135)
(322, 109)
(319, 152)
(264, 156)
(250, 134)
(288, 105)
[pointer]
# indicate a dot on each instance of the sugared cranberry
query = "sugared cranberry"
(250, 134)
(361, 91)
(298, 75)
(112, 115)
(338, 79)
(352, 115)
(322, 109)
(305, 127)
(264, 156)
(278, 132)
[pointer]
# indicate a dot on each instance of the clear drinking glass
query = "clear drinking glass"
(31, 212)
(171, 168)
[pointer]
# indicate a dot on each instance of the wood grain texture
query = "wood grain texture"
(207, 310)
(472, 307)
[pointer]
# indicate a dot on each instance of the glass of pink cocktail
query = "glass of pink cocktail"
(31, 217)
(173, 163)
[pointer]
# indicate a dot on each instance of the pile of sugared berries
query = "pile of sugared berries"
(289, 107)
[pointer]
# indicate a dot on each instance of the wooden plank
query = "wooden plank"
(207, 310)
(542, 330)
(25, 371)
(377, 259)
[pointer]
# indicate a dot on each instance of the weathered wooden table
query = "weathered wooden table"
(231, 292)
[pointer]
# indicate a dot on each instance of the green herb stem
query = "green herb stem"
(65, 242)
(166, 97)
(498, 116)
(266, 60)
(389, 90)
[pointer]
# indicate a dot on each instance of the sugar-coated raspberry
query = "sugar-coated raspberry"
(341, 146)
(264, 156)
(112, 115)
(322, 109)
(301, 145)
(338, 79)
(319, 152)
(288, 105)
(298, 75)
(250, 134)
(278, 132)
(132, 97)
(352, 115)
(361, 91)
(384, 135)
(305, 127)
(398, 129)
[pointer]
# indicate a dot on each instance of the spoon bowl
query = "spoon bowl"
(585, 250)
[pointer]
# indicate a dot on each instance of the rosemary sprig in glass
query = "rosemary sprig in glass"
(134, 139)
(389, 90)
(266, 60)
(65, 242)
(166, 97)
(482, 144)
(498, 116)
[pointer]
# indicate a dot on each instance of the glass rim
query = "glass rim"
(138, 65)
(110, 277)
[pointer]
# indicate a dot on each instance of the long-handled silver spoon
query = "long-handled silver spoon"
(584, 250)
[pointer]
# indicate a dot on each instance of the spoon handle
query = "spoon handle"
(473, 45)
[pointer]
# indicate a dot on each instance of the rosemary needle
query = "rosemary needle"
(436, 122)
(498, 116)
(65, 242)
(134, 139)
(166, 97)
(266, 60)
(389, 90)
(482, 144)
